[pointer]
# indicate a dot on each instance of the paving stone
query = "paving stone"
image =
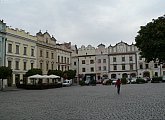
(135, 102)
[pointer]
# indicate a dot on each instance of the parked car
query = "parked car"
(105, 81)
(128, 80)
(113, 81)
(163, 79)
(87, 82)
(98, 81)
(67, 83)
(133, 80)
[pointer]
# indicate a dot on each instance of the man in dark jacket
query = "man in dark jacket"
(118, 83)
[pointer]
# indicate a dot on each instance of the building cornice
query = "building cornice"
(20, 37)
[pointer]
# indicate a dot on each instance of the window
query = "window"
(52, 66)
(155, 65)
(91, 61)
(68, 60)
(130, 58)
(114, 67)
(65, 59)
(9, 48)
(17, 49)
(40, 53)
(114, 59)
(83, 61)
(147, 66)
(58, 67)
(32, 52)
(24, 65)
(47, 66)
(131, 66)
(32, 64)
(99, 68)
(61, 59)
(83, 69)
(141, 66)
(92, 69)
(123, 66)
(104, 60)
(74, 63)
(17, 65)
(99, 60)
(25, 51)
(104, 68)
(62, 68)
(46, 40)
(41, 66)
(68, 67)
(140, 58)
(52, 55)
(47, 54)
(156, 73)
(9, 64)
(123, 59)
(58, 59)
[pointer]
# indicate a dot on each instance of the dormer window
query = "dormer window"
(46, 40)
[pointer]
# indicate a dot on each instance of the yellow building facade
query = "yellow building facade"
(21, 53)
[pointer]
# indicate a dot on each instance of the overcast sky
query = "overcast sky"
(82, 22)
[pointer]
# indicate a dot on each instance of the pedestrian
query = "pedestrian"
(118, 83)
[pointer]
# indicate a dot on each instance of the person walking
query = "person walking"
(118, 83)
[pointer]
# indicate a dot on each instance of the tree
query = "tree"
(70, 74)
(151, 40)
(5, 72)
(33, 71)
(55, 72)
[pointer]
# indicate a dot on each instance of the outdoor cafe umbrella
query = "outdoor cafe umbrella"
(53, 76)
(35, 76)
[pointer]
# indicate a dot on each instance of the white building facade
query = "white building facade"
(120, 60)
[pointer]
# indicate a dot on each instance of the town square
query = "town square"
(82, 60)
(135, 102)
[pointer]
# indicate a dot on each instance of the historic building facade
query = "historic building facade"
(20, 52)
(86, 62)
(52, 55)
(123, 60)
(46, 52)
(2, 42)
(120, 60)
(102, 61)
(63, 55)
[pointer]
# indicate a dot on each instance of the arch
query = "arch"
(133, 75)
(124, 75)
(146, 74)
(113, 75)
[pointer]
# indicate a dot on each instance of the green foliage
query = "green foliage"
(82, 82)
(123, 80)
(70, 74)
(5, 72)
(33, 71)
(156, 79)
(140, 80)
(109, 82)
(55, 72)
(151, 40)
(93, 82)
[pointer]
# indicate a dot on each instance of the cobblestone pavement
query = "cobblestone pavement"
(135, 102)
